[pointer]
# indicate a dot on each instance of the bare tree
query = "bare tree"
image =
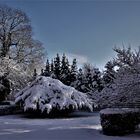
(16, 40)
(15, 28)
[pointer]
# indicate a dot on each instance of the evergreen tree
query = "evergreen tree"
(73, 73)
(109, 73)
(47, 69)
(126, 83)
(89, 80)
(52, 69)
(65, 71)
(79, 83)
(98, 78)
(52, 66)
(57, 67)
(93, 80)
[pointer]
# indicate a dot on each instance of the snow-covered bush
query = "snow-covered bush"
(119, 121)
(46, 95)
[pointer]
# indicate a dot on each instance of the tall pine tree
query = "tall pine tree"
(47, 71)
(57, 67)
(93, 80)
(73, 72)
(79, 83)
(65, 70)
(109, 73)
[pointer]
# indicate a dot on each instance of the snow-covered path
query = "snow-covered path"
(80, 126)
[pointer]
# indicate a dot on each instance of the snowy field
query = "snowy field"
(78, 126)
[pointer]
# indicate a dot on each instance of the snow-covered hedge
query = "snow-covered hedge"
(116, 121)
(46, 95)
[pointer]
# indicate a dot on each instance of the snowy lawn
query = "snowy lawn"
(78, 126)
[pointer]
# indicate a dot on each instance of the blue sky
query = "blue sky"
(87, 29)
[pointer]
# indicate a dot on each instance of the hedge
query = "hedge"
(116, 121)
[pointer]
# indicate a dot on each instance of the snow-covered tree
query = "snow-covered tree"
(109, 73)
(47, 95)
(16, 40)
(14, 73)
(93, 79)
(126, 86)
(79, 84)
(98, 78)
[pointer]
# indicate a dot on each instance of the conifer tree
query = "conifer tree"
(52, 69)
(52, 66)
(57, 67)
(65, 71)
(89, 80)
(109, 73)
(79, 83)
(93, 80)
(73, 73)
(98, 78)
(47, 69)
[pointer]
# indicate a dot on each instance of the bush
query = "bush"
(116, 121)
(47, 96)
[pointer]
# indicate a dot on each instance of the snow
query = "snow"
(46, 93)
(78, 126)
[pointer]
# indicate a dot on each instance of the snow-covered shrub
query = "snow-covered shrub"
(46, 95)
(119, 121)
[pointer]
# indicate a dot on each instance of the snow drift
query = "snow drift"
(46, 94)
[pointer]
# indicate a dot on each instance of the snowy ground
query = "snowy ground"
(79, 126)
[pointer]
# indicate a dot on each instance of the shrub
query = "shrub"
(50, 96)
(119, 121)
